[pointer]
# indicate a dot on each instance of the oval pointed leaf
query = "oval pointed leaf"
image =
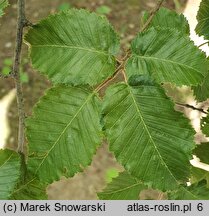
(202, 152)
(151, 140)
(199, 175)
(203, 19)
(9, 172)
(166, 56)
(63, 132)
(194, 192)
(74, 47)
(201, 92)
(166, 18)
(32, 189)
(123, 187)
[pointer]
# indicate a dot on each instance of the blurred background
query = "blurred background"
(125, 16)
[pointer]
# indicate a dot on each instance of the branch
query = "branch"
(192, 107)
(27, 23)
(123, 61)
(207, 42)
(16, 74)
(117, 71)
(152, 14)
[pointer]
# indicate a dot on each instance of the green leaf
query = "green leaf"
(9, 172)
(205, 125)
(76, 47)
(3, 5)
(201, 92)
(63, 132)
(166, 56)
(148, 137)
(194, 192)
(124, 187)
(166, 18)
(32, 189)
(202, 152)
(103, 10)
(110, 174)
(203, 19)
(199, 175)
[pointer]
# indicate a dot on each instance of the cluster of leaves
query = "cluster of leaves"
(77, 51)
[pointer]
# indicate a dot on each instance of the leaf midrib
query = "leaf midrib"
(71, 47)
(194, 195)
(204, 19)
(23, 186)
(167, 61)
(6, 160)
(123, 189)
(63, 131)
(147, 130)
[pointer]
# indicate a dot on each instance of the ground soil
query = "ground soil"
(125, 17)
